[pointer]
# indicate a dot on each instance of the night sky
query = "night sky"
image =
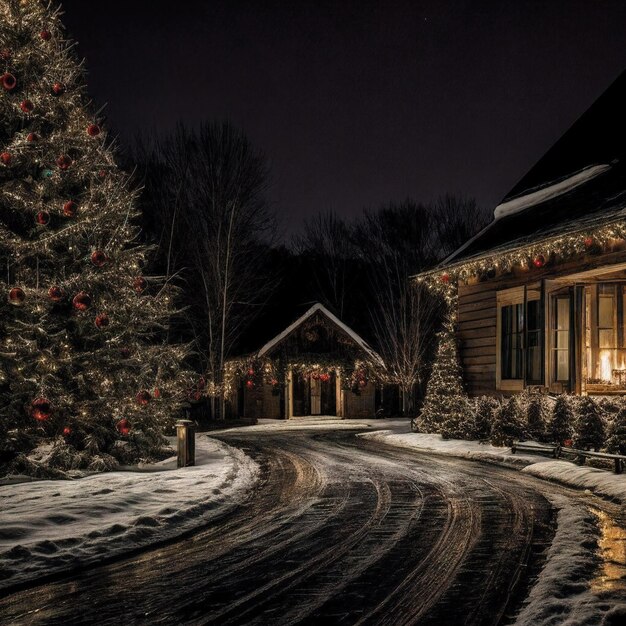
(356, 103)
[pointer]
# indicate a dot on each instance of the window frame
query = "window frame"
(510, 297)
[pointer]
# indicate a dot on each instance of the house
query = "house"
(540, 293)
(315, 366)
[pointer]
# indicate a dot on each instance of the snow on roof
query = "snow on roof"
(324, 311)
(527, 200)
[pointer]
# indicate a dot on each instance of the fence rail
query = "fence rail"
(556, 451)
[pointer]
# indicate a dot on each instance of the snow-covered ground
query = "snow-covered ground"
(52, 525)
(600, 482)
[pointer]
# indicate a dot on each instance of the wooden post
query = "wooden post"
(289, 395)
(185, 434)
(338, 397)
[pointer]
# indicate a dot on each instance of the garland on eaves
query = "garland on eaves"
(563, 247)
(254, 372)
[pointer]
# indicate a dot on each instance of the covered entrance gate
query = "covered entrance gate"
(316, 366)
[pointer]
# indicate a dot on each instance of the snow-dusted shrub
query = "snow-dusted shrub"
(536, 416)
(508, 424)
(590, 429)
(561, 424)
(616, 442)
(484, 412)
(102, 463)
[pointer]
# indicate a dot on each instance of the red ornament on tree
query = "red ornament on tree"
(324, 377)
(123, 426)
(64, 162)
(5, 54)
(58, 89)
(5, 157)
(42, 218)
(589, 241)
(41, 409)
(539, 261)
(156, 393)
(46, 35)
(143, 397)
(250, 372)
(17, 296)
(250, 384)
(9, 81)
(81, 301)
(102, 174)
(140, 284)
(70, 208)
(55, 293)
(31, 137)
(27, 106)
(67, 431)
(93, 130)
(445, 278)
(102, 320)
(98, 258)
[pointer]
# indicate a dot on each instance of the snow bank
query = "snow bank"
(600, 482)
(53, 525)
(452, 447)
(569, 591)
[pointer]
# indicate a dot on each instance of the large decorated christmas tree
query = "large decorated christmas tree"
(83, 362)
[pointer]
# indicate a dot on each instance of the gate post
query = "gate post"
(185, 434)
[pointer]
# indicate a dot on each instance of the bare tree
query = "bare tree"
(395, 242)
(205, 198)
(326, 244)
(455, 220)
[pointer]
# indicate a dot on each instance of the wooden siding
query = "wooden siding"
(477, 337)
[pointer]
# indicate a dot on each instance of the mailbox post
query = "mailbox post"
(186, 436)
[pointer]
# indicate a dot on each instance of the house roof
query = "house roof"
(578, 184)
(270, 345)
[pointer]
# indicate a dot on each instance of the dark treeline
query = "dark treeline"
(205, 208)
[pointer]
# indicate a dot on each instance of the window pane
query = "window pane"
(533, 318)
(561, 341)
(562, 313)
(512, 323)
(533, 357)
(562, 365)
(605, 312)
(605, 338)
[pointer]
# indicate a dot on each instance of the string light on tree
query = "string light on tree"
(78, 316)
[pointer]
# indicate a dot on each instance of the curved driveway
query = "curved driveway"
(340, 530)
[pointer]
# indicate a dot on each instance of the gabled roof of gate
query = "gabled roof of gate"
(358, 340)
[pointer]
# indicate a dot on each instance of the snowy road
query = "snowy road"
(341, 530)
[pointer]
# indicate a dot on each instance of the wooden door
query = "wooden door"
(316, 396)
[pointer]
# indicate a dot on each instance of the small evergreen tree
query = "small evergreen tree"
(561, 422)
(446, 406)
(616, 442)
(484, 417)
(590, 431)
(536, 410)
(508, 424)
